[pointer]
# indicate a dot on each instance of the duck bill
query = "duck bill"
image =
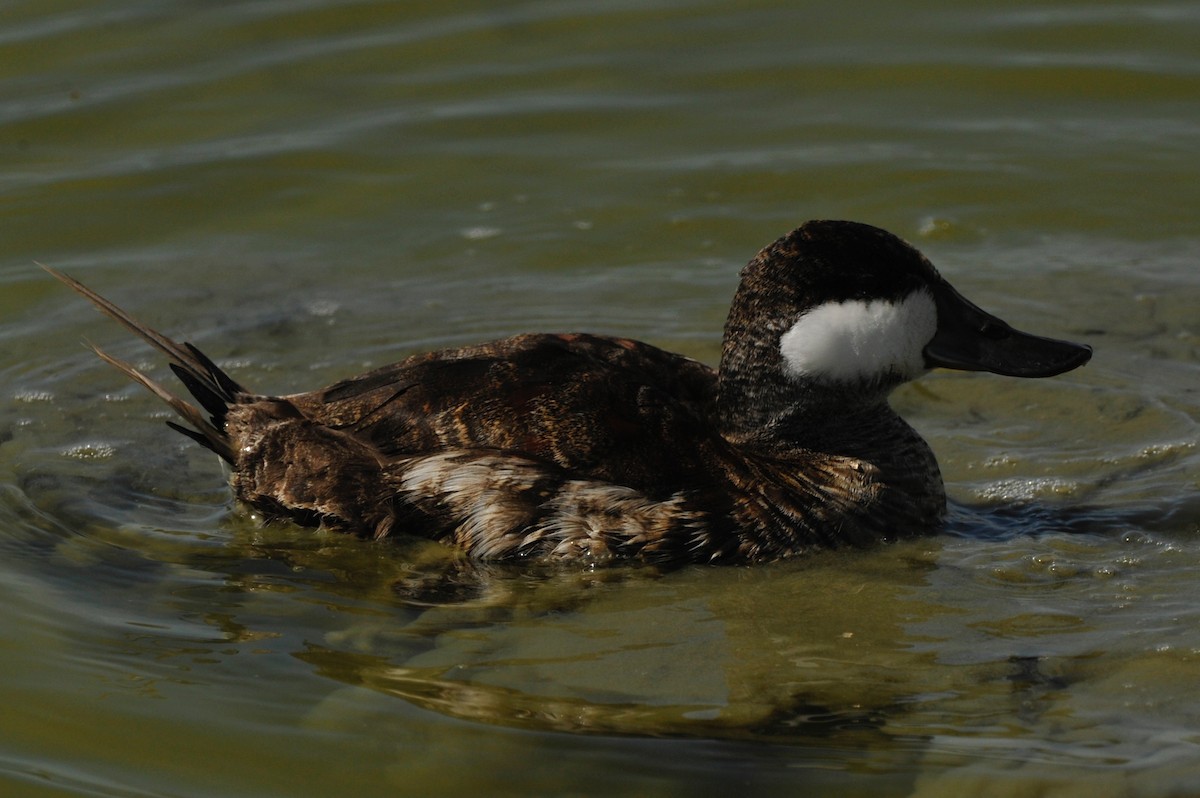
(971, 339)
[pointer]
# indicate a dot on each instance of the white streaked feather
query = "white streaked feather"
(485, 495)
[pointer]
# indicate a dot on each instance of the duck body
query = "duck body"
(586, 447)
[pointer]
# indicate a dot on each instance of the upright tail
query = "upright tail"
(212, 388)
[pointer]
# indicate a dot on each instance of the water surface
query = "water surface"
(309, 189)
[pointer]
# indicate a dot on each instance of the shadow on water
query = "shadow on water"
(1179, 515)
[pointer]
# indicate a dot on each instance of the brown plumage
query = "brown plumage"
(576, 446)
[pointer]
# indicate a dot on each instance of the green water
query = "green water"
(308, 189)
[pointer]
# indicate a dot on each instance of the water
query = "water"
(309, 189)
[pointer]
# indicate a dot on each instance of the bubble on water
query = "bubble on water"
(92, 450)
(998, 461)
(935, 227)
(322, 308)
(29, 397)
(480, 233)
(1010, 490)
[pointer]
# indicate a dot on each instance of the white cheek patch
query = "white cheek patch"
(857, 340)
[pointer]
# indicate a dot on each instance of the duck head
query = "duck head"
(841, 311)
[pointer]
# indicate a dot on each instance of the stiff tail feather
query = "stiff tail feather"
(212, 388)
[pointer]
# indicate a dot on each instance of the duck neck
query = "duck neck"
(788, 421)
(828, 419)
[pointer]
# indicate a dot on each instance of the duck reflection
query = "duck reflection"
(822, 648)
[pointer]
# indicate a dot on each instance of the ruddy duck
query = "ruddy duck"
(587, 447)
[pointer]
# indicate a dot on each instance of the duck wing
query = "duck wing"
(603, 408)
